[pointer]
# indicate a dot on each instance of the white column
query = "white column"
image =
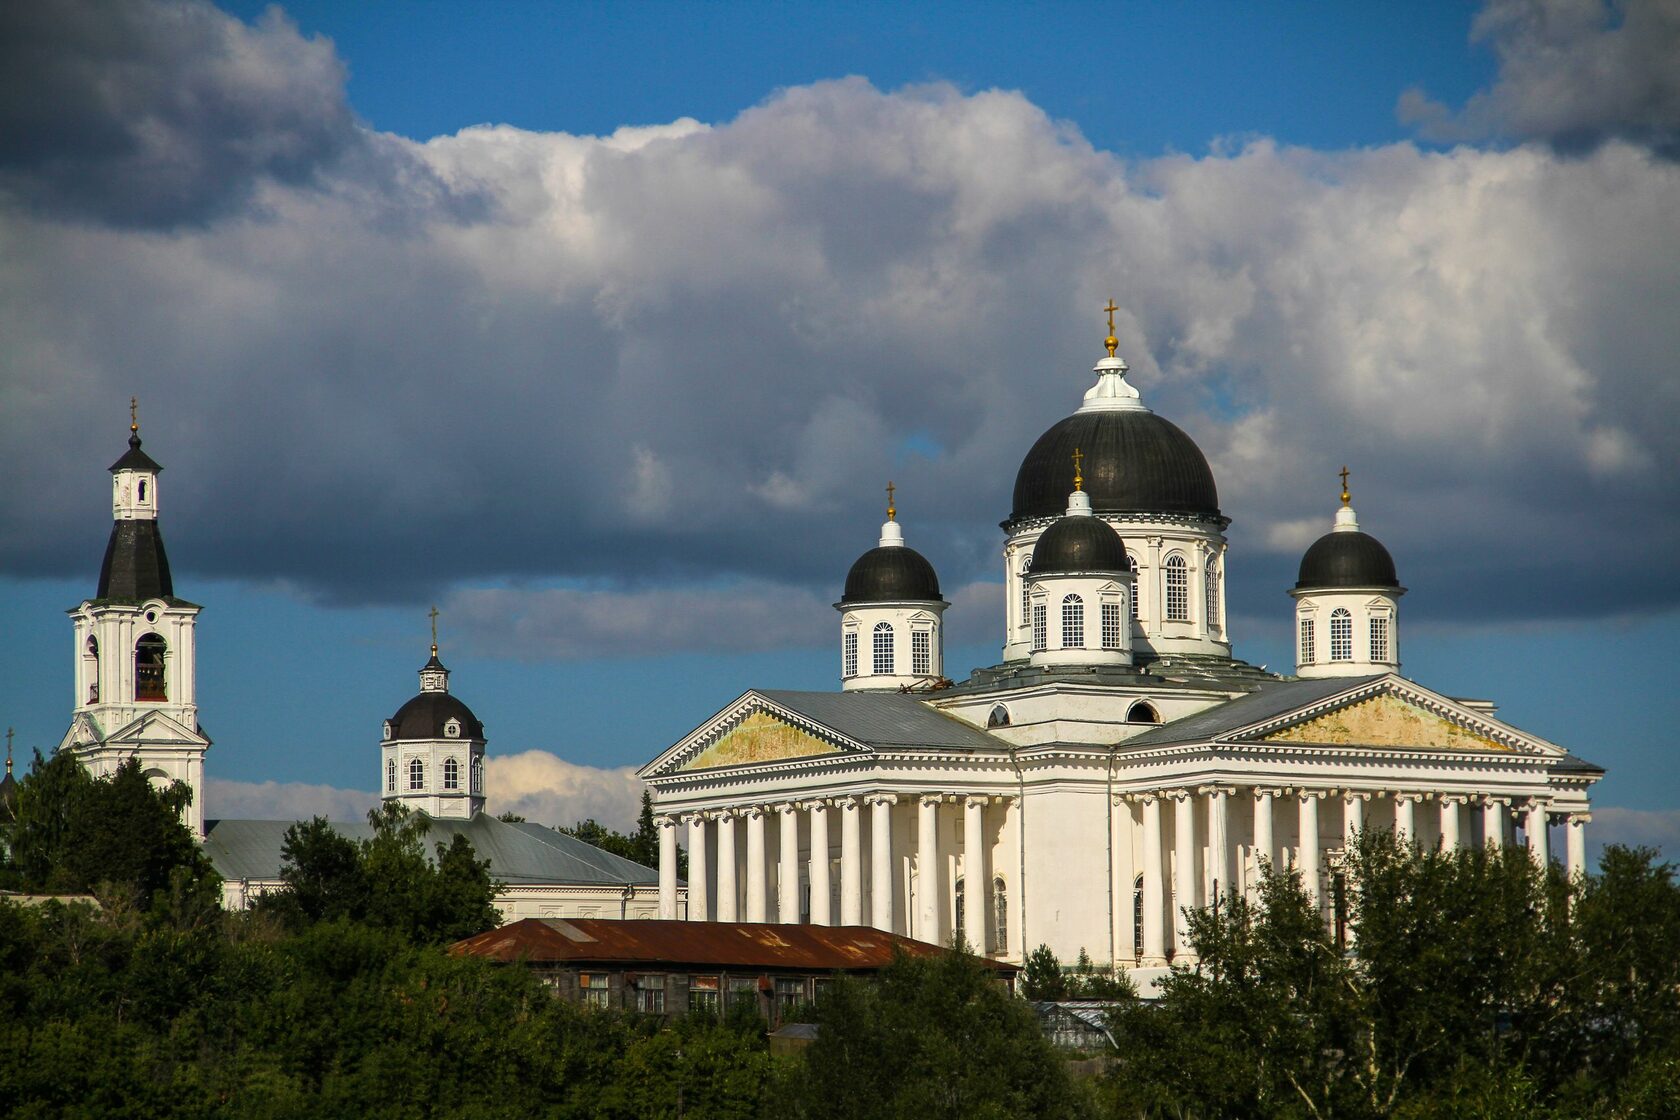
(787, 874)
(697, 909)
(1219, 846)
(667, 830)
(758, 904)
(1575, 847)
(728, 893)
(1450, 822)
(1309, 844)
(1154, 882)
(1184, 872)
(1493, 823)
(1534, 823)
(851, 862)
(881, 861)
(976, 877)
(1405, 817)
(927, 867)
(1264, 847)
(820, 912)
(1353, 818)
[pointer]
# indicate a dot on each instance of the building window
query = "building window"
(1000, 917)
(390, 775)
(595, 990)
(1341, 635)
(1307, 644)
(416, 774)
(1142, 712)
(142, 491)
(1137, 584)
(999, 717)
(478, 775)
(1111, 625)
(790, 993)
(451, 774)
(1073, 622)
(1137, 918)
(883, 659)
(148, 669)
(1379, 637)
(1213, 594)
(1026, 588)
(743, 990)
(1041, 626)
(848, 654)
(650, 994)
(1178, 589)
(921, 652)
(703, 994)
(93, 669)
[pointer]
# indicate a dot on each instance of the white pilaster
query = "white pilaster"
(927, 867)
(787, 874)
(1534, 823)
(851, 862)
(1575, 846)
(820, 911)
(667, 830)
(728, 892)
(697, 884)
(1184, 872)
(1493, 823)
(976, 876)
(880, 861)
(1309, 843)
(1154, 882)
(758, 903)
(1405, 817)
(1451, 812)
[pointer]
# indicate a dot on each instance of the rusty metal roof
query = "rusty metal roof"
(717, 944)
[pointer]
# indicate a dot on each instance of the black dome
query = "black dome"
(135, 566)
(1347, 559)
(1079, 544)
(891, 574)
(1134, 462)
(424, 716)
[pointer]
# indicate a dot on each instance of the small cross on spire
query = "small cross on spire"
(134, 415)
(1345, 494)
(1111, 342)
(8, 750)
(1078, 477)
(892, 511)
(433, 614)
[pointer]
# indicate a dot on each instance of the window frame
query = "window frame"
(921, 652)
(1073, 621)
(1040, 627)
(451, 774)
(1306, 641)
(1178, 588)
(1341, 635)
(416, 775)
(1111, 629)
(849, 654)
(881, 653)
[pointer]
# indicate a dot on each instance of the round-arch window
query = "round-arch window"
(999, 717)
(1143, 712)
(149, 683)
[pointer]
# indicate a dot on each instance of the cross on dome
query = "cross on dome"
(1111, 342)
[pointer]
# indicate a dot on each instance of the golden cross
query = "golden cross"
(8, 750)
(1344, 485)
(891, 512)
(134, 414)
(433, 616)
(1111, 342)
(1078, 478)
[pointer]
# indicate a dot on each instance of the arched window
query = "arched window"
(1041, 626)
(1213, 594)
(1137, 918)
(451, 774)
(390, 775)
(1178, 589)
(848, 654)
(1308, 650)
(1379, 637)
(1026, 588)
(1000, 917)
(142, 491)
(416, 774)
(883, 659)
(478, 775)
(1142, 712)
(1341, 635)
(1073, 622)
(148, 669)
(1137, 584)
(1111, 625)
(999, 717)
(93, 669)
(962, 911)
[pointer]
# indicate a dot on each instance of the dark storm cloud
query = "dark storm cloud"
(160, 114)
(1573, 74)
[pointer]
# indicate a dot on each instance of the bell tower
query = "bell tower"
(136, 685)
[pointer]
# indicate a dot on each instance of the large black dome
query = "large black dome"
(1347, 559)
(1134, 462)
(424, 716)
(891, 574)
(1079, 544)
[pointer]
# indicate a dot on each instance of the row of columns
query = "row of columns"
(924, 923)
(1185, 882)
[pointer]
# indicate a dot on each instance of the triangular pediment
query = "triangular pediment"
(752, 732)
(1395, 714)
(84, 731)
(156, 729)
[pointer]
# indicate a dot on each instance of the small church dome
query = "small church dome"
(1347, 559)
(1135, 462)
(428, 714)
(891, 574)
(1079, 544)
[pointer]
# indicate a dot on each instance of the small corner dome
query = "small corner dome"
(428, 714)
(1346, 559)
(1079, 544)
(891, 574)
(1134, 462)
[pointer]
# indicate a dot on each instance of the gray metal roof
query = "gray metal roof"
(885, 719)
(1266, 702)
(520, 854)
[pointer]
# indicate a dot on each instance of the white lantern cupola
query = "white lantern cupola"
(431, 753)
(890, 616)
(1079, 588)
(1347, 603)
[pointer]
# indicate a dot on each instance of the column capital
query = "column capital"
(692, 819)
(751, 812)
(1582, 817)
(976, 800)
(1542, 803)
(664, 820)
(1273, 792)
(881, 799)
(1454, 798)
(784, 806)
(720, 814)
(813, 805)
(849, 801)
(1489, 801)
(1216, 788)
(929, 799)
(1407, 795)
(1312, 794)
(1357, 795)
(1178, 794)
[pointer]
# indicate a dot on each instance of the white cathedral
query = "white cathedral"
(1119, 765)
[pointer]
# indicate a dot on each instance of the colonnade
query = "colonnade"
(862, 899)
(1197, 871)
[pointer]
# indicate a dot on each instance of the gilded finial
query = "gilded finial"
(1345, 494)
(433, 615)
(134, 415)
(1078, 477)
(8, 750)
(1111, 342)
(892, 511)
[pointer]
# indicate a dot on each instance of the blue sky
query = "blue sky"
(554, 375)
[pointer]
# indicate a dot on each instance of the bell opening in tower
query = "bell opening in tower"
(149, 683)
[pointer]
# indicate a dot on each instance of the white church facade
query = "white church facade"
(1118, 765)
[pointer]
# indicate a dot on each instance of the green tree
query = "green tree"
(640, 846)
(1042, 978)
